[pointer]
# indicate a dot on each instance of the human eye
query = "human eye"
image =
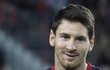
(65, 37)
(80, 39)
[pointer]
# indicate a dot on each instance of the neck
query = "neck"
(58, 66)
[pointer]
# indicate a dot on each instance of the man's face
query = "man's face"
(71, 43)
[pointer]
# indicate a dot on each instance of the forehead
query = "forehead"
(75, 28)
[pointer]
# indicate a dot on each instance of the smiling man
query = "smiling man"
(72, 36)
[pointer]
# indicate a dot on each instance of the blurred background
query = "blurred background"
(24, 32)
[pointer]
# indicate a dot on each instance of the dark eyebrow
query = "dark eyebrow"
(64, 34)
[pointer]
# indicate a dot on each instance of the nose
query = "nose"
(71, 45)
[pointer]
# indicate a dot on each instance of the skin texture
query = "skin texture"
(71, 43)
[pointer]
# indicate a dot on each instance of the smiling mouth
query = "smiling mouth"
(71, 55)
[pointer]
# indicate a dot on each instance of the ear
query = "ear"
(51, 38)
(91, 43)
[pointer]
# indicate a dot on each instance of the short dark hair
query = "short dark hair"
(75, 12)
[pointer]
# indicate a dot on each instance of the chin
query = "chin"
(69, 64)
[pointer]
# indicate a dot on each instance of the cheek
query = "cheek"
(59, 47)
(59, 50)
(83, 48)
(60, 44)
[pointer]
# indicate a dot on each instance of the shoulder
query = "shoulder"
(95, 68)
(92, 67)
(49, 69)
